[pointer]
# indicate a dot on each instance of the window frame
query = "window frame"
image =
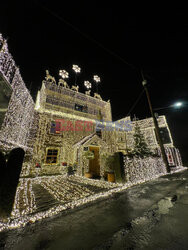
(57, 157)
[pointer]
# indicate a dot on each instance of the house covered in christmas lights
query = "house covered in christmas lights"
(69, 125)
(65, 127)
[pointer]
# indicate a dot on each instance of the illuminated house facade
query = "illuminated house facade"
(64, 125)
(148, 130)
(69, 126)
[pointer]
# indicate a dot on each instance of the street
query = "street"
(153, 215)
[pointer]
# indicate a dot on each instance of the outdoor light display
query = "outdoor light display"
(18, 118)
(32, 129)
(76, 68)
(148, 130)
(7, 64)
(64, 74)
(72, 196)
(96, 78)
(24, 200)
(87, 84)
(81, 196)
(143, 169)
(66, 99)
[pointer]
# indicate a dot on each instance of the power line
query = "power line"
(137, 100)
(139, 71)
(88, 37)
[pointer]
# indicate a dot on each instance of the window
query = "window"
(86, 148)
(78, 107)
(165, 137)
(51, 156)
(98, 132)
(164, 134)
(55, 127)
(81, 108)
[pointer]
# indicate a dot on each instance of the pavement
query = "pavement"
(152, 215)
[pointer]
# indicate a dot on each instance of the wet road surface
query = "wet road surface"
(153, 215)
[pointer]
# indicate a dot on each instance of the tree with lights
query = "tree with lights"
(140, 146)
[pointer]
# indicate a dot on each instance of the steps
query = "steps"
(44, 200)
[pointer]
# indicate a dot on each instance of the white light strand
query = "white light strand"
(18, 118)
(22, 221)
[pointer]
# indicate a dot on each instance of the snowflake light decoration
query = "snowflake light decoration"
(64, 74)
(96, 78)
(87, 84)
(76, 68)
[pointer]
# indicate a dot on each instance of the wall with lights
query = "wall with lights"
(15, 129)
(148, 129)
(143, 169)
(69, 144)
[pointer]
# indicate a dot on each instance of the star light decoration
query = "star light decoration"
(76, 68)
(64, 74)
(97, 79)
(87, 84)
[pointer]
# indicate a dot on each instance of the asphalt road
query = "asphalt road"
(153, 215)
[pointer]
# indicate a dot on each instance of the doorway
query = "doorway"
(94, 166)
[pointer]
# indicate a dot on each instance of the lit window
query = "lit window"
(51, 156)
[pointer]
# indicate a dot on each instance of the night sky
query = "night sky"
(112, 40)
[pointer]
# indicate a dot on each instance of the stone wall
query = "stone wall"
(143, 169)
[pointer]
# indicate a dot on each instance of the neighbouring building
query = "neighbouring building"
(16, 104)
(148, 130)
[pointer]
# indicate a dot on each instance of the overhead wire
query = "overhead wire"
(100, 45)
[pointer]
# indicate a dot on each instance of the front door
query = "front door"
(94, 166)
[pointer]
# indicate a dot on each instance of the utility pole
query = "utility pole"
(144, 83)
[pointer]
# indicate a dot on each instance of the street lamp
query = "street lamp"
(175, 105)
(77, 70)
(97, 79)
(178, 104)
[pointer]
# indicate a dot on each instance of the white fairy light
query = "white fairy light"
(76, 68)
(19, 116)
(112, 188)
(64, 74)
(96, 78)
(87, 84)
(18, 122)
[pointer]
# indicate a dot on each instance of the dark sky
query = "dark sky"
(111, 40)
